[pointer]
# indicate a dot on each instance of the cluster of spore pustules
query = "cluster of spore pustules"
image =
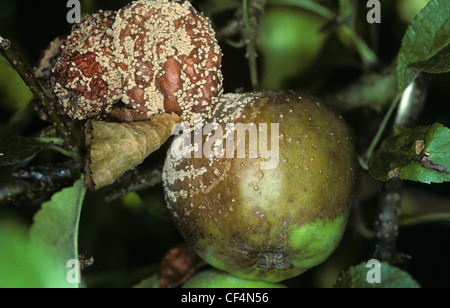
(154, 56)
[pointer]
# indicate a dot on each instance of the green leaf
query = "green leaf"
(414, 171)
(425, 45)
(389, 277)
(17, 149)
(22, 263)
(421, 154)
(150, 282)
(14, 92)
(56, 229)
(435, 64)
(438, 145)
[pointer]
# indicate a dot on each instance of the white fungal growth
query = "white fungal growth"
(169, 58)
(156, 56)
(86, 80)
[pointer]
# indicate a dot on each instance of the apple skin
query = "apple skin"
(214, 278)
(267, 224)
(289, 44)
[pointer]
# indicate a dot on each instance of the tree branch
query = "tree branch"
(389, 208)
(39, 92)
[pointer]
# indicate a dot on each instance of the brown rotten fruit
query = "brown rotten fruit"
(157, 56)
(266, 217)
(86, 79)
(169, 58)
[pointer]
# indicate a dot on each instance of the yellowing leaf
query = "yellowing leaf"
(115, 148)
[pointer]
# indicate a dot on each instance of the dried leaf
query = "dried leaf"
(115, 148)
(178, 265)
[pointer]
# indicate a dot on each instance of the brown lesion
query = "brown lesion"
(124, 115)
(424, 158)
(426, 163)
(170, 83)
(86, 69)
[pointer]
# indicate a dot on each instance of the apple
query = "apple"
(260, 216)
(289, 44)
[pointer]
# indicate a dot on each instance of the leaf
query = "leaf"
(17, 149)
(438, 145)
(373, 90)
(13, 90)
(390, 277)
(55, 228)
(421, 154)
(436, 63)
(148, 283)
(115, 148)
(23, 264)
(425, 45)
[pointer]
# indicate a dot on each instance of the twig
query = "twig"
(138, 179)
(39, 92)
(374, 90)
(386, 226)
(425, 218)
(252, 11)
(382, 128)
(36, 184)
(412, 102)
(312, 6)
(368, 57)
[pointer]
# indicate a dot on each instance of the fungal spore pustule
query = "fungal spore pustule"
(156, 56)
(169, 58)
(86, 80)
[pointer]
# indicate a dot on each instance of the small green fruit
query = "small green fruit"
(263, 217)
(214, 278)
(290, 42)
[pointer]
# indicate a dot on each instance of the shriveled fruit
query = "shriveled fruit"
(265, 217)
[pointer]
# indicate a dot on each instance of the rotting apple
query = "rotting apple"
(249, 216)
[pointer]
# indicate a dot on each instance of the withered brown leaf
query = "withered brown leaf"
(114, 148)
(178, 265)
